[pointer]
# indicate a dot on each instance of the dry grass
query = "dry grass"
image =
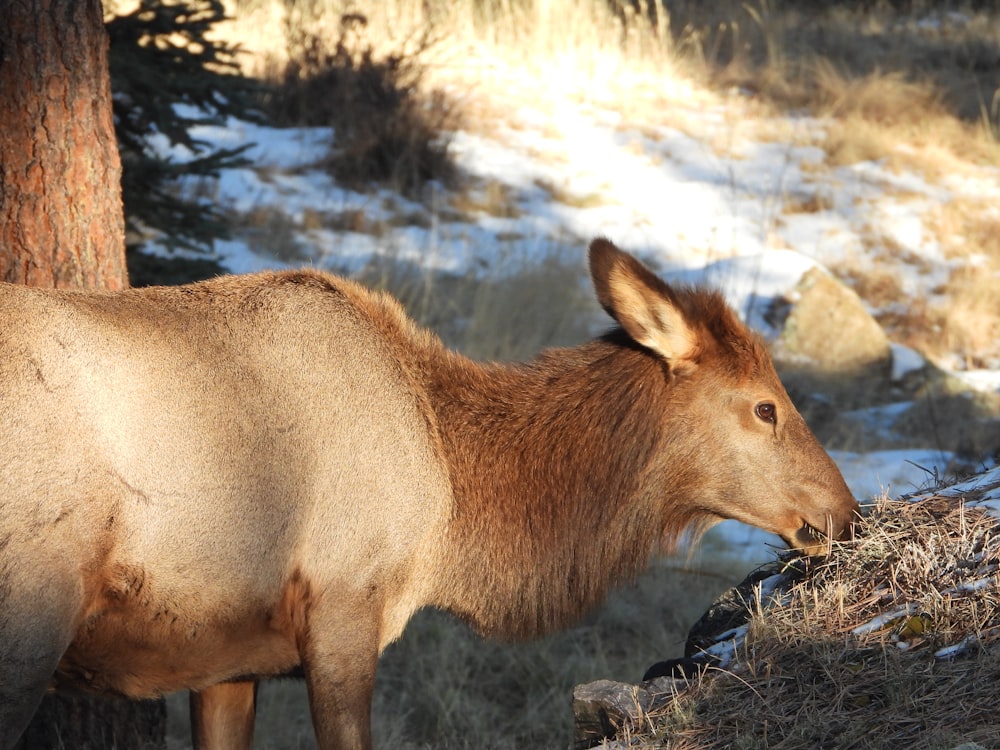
(533, 298)
(593, 38)
(959, 324)
(969, 323)
(872, 115)
(389, 127)
(914, 85)
(916, 82)
(802, 53)
(490, 197)
(892, 642)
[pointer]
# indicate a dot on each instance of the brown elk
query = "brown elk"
(208, 485)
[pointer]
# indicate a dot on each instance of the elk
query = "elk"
(209, 485)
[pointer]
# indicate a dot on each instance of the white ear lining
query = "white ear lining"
(649, 317)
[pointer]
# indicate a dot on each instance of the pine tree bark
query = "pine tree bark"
(62, 225)
(61, 220)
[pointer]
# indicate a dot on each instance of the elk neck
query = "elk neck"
(557, 469)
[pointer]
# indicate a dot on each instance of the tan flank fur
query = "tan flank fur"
(208, 485)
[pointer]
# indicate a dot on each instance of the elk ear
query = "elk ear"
(641, 302)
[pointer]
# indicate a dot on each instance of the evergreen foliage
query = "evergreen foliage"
(160, 57)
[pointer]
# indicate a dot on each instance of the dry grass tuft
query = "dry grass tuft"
(532, 299)
(893, 641)
(969, 323)
(871, 115)
(389, 127)
(957, 326)
(489, 197)
(886, 98)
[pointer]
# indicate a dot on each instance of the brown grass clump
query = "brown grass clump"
(389, 128)
(970, 324)
(871, 114)
(957, 325)
(915, 83)
(962, 331)
(893, 641)
(877, 97)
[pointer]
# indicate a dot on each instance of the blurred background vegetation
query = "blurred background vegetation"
(926, 73)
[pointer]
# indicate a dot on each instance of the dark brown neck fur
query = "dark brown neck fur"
(552, 473)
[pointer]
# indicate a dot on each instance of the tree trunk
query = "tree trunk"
(61, 225)
(61, 220)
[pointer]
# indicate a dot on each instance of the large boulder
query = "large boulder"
(827, 342)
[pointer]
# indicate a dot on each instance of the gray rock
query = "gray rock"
(604, 707)
(824, 326)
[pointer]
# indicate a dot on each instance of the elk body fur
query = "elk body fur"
(208, 485)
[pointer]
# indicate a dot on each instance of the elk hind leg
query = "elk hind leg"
(222, 716)
(35, 630)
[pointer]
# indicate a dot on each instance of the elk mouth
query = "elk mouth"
(811, 540)
(815, 541)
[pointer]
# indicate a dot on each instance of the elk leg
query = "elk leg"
(339, 662)
(20, 699)
(222, 716)
(35, 631)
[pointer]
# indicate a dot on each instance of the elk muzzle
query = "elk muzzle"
(816, 535)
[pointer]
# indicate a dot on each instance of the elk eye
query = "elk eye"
(767, 412)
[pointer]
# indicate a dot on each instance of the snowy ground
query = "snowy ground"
(731, 215)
